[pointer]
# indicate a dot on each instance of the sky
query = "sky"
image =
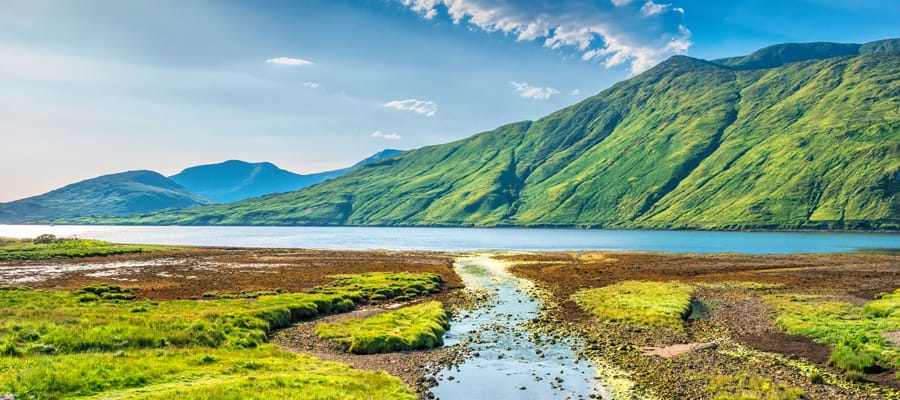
(92, 87)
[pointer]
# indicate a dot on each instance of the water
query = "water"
(511, 363)
(472, 239)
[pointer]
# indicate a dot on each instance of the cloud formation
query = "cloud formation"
(423, 107)
(388, 136)
(312, 85)
(614, 32)
(533, 92)
(296, 62)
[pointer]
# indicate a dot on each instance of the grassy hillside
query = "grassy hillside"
(792, 137)
(116, 194)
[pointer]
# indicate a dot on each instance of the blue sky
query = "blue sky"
(93, 87)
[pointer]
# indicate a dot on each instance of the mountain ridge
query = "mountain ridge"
(113, 194)
(144, 191)
(688, 144)
(235, 180)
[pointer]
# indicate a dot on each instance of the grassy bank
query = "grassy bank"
(410, 328)
(382, 286)
(47, 247)
(101, 340)
(857, 335)
(660, 304)
(193, 372)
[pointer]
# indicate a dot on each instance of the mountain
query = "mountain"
(237, 180)
(116, 194)
(797, 136)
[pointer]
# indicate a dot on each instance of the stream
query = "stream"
(508, 361)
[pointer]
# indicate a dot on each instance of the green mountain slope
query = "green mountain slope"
(116, 194)
(793, 137)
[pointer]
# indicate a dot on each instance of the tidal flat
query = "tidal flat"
(739, 326)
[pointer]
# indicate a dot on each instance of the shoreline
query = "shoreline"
(486, 227)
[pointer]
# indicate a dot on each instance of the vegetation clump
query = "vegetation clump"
(265, 372)
(101, 340)
(410, 328)
(654, 304)
(857, 335)
(750, 387)
(384, 285)
(48, 246)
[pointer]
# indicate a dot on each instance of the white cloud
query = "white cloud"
(650, 8)
(296, 62)
(575, 92)
(424, 107)
(531, 92)
(619, 32)
(312, 85)
(388, 136)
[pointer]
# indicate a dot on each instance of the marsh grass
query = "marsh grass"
(750, 387)
(99, 339)
(411, 328)
(655, 304)
(384, 285)
(50, 247)
(96, 319)
(264, 372)
(855, 334)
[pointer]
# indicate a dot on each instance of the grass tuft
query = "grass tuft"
(657, 304)
(855, 334)
(410, 328)
(377, 286)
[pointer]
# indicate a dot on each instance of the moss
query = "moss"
(750, 387)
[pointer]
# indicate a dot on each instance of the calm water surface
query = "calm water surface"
(472, 239)
(512, 363)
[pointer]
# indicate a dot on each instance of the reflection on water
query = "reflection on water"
(509, 362)
(472, 239)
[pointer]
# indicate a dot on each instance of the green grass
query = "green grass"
(747, 387)
(410, 328)
(61, 322)
(384, 285)
(101, 340)
(191, 372)
(56, 248)
(855, 334)
(662, 304)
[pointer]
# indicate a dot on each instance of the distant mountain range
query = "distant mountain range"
(143, 192)
(793, 136)
(238, 180)
(116, 194)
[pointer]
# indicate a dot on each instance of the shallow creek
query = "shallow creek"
(507, 361)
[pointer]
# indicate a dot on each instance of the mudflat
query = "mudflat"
(731, 338)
